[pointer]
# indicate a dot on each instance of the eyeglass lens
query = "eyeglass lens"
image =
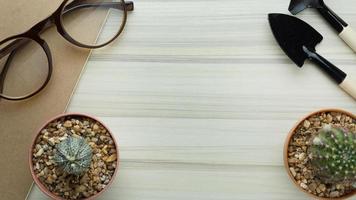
(89, 14)
(24, 69)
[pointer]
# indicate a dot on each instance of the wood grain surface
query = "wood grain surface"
(201, 98)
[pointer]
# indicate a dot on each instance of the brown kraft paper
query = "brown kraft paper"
(20, 120)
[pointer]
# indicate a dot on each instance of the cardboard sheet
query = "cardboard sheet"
(20, 120)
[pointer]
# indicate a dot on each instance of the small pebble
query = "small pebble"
(312, 187)
(111, 158)
(76, 128)
(39, 152)
(41, 174)
(48, 163)
(67, 124)
(304, 186)
(306, 124)
(86, 194)
(334, 194)
(329, 118)
(322, 187)
(301, 156)
(292, 170)
(51, 141)
(80, 188)
(95, 127)
(49, 180)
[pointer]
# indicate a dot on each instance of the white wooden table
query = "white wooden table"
(201, 98)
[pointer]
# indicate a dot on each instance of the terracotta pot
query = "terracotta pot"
(285, 153)
(38, 182)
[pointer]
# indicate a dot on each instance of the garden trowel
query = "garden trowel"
(298, 40)
(346, 33)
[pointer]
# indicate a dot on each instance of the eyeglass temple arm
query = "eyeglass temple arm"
(5, 69)
(117, 5)
(11, 47)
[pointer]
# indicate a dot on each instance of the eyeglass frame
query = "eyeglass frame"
(54, 19)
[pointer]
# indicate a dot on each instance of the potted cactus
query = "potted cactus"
(320, 154)
(73, 156)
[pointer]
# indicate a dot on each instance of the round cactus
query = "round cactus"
(333, 155)
(73, 155)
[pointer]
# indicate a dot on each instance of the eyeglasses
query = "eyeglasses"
(19, 80)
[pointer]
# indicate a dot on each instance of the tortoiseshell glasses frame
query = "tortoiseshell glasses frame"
(10, 45)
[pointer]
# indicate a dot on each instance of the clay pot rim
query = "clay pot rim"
(286, 145)
(39, 183)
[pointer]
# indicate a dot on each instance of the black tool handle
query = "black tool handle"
(336, 22)
(337, 74)
(347, 83)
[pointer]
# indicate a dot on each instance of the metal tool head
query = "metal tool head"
(293, 35)
(297, 6)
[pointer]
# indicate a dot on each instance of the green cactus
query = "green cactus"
(73, 155)
(333, 155)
